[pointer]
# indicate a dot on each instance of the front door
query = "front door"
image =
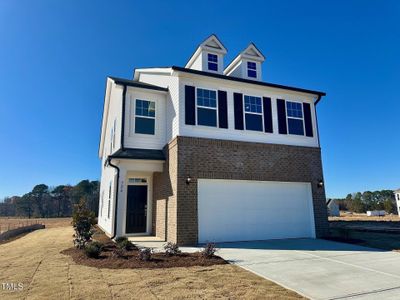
(136, 211)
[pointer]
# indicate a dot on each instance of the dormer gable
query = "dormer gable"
(247, 64)
(209, 56)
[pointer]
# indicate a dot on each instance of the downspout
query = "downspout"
(116, 198)
(316, 118)
(123, 118)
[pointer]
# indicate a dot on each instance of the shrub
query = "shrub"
(125, 245)
(209, 250)
(82, 220)
(93, 249)
(171, 249)
(145, 254)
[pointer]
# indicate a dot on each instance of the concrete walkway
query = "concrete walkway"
(320, 269)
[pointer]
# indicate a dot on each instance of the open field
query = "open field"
(18, 222)
(363, 217)
(35, 261)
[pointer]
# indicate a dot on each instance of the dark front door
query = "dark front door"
(136, 214)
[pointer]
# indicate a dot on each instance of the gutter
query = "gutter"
(116, 198)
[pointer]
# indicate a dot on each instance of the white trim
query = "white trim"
(149, 216)
(254, 113)
(296, 118)
(145, 117)
(207, 107)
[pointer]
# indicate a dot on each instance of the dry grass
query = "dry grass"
(36, 261)
(48, 222)
(364, 217)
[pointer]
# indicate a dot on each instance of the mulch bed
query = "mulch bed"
(130, 259)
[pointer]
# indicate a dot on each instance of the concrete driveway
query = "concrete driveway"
(320, 269)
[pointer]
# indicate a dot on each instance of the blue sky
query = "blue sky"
(55, 56)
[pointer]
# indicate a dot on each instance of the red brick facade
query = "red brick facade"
(175, 202)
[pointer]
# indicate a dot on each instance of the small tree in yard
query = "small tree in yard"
(82, 220)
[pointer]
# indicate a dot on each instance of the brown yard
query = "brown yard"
(35, 261)
(363, 217)
(11, 222)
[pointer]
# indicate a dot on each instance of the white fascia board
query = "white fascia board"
(232, 65)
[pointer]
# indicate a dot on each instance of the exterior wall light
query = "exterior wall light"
(188, 180)
(320, 183)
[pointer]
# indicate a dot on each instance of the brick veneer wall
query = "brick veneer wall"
(220, 159)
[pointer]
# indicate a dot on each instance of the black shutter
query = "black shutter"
(190, 105)
(267, 114)
(238, 107)
(281, 106)
(222, 109)
(307, 119)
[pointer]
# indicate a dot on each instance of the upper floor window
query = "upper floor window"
(145, 116)
(251, 69)
(212, 62)
(253, 113)
(206, 107)
(295, 118)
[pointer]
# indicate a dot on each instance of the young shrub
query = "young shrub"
(93, 249)
(125, 245)
(171, 249)
(82, 220)
(145, 254)
(209, 250)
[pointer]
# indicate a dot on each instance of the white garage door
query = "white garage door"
(241, 210)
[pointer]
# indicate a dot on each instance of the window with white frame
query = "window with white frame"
(295, 120)
(253, 113)
(109, 200)
(145, 116)
(212, 62)
(251, 69)
(206, 107)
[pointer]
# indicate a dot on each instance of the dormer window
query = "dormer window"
(251, 69)
(212, 62)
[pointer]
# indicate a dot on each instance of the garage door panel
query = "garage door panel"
(234, 210)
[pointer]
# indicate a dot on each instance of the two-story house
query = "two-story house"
(209, 152)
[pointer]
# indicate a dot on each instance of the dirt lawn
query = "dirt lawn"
(35, 261)
(48, 222)
(364, 217)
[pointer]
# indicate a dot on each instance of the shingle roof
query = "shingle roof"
(138, 84)
(132, 153)
(273, 85)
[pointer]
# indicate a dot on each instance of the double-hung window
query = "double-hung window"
(212, 62)
(145, 116)
(251, 69)
(206, 107)
(295, 118)
(253, 113)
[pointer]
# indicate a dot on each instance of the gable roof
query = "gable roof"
(212, 43)
(251, 52)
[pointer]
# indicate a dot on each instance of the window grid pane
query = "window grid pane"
(251, 65)
(145, 108)
(252, 104)
(212, 58)
(294, 109)
(206, 98)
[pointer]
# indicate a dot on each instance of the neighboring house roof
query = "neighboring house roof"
(397, 191)
(273, 85)
(134, 83)
(132, 153)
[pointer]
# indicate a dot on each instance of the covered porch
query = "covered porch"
(136, 209)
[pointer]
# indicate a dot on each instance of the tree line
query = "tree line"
(47, 202)
(361, 202)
